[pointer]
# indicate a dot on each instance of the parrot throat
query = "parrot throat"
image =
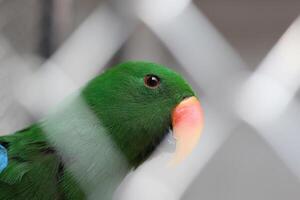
(141, 144)
(147, 151)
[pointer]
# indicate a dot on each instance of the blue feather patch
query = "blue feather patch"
(3, 158)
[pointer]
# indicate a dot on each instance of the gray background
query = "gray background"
(245, 167)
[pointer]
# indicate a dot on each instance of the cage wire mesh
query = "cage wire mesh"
(250, 146)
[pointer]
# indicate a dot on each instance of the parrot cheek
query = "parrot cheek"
(187, 122)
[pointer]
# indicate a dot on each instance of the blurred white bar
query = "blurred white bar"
(269, 90)
(266, 100)
(42, 90)
(283, 62)
(283, 136)
(80, 58)
(159, 12)
(93, 44)
(199, 47)
(13, 116)
(77, 134)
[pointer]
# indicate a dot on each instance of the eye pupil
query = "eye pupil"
(151, 81)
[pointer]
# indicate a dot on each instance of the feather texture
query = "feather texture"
(86, 146)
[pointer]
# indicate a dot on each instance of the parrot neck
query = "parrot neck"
(86, 149)
(139, 148)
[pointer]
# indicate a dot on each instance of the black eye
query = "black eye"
(151, 81)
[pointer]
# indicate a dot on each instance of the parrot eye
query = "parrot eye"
(151, 81)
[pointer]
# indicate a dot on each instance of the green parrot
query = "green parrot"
(85, 147)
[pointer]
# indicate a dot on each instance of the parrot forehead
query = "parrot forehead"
(142, 68)
(3, 158)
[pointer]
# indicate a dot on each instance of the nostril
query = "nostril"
(186, 96)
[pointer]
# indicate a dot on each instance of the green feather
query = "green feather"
(86, 146)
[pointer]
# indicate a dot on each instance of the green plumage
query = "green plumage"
(85, 147)
(32, 169)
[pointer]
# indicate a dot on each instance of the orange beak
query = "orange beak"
(187, 122)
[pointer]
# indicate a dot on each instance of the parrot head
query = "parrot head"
(139, 102)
